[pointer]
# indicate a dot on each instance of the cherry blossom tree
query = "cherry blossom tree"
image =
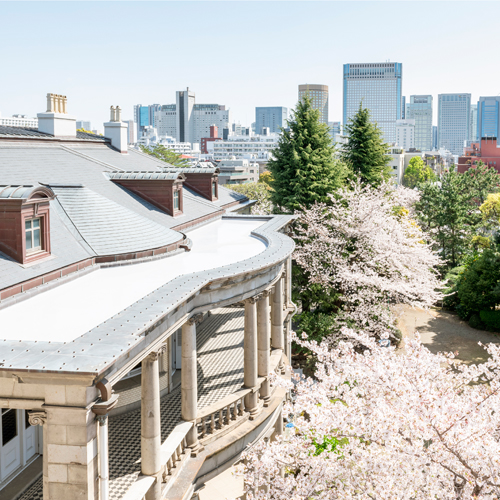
(366, 246)
(385, 424)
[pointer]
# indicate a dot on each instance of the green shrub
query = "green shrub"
(475, 322)
(491, 319)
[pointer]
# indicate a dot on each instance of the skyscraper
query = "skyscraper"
(488, 117)
(272, 117)
(319, 98)
(378, 87)
(403, 107)
(420, 109)
(144, 116)
(453, 121)
(473, 123)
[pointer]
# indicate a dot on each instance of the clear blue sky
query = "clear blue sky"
(241, 54)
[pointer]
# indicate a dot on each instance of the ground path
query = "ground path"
(442, 331)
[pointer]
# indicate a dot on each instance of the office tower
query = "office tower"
(473, 123)
(405, 134)
(403, 108)
(453, 121)
(335, 128)
(488, 117)
(434, 137)
(420, 109)
(377, 86)
(142, 118)
(272, 117)
(319, 98)
(83, 124)
(131, 137)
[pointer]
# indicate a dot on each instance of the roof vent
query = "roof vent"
(56, 121)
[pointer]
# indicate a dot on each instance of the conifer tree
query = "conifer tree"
(304, 170)
(365, 151)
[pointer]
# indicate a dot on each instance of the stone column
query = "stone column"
(250, 372)
(151, 423)
(189, 382)
(264, 344)
(277, 338)
(39, 418)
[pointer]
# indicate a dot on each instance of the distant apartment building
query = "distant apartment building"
(419, 108)
(405, 134)
(319, 99)
(272, 117)
(488, 117)
(19, 121)
(83, 124)
(377, 86)
(473, 123)
(250, 147)
(239, 171)
(190, 122)
(131, 131)
(453, 121)
(214, 136)
(397, 162)
(485, 150)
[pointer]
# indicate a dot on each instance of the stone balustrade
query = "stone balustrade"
(174, 449)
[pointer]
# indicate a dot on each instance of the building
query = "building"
(377, 86)
(453, 121)
(257, 147)
(19, 121)
(419, 108)
(473, 123)
(319, 99)
(159, 318)
(405, 134)
(240, 171)
(131, 131)
(488, 117)
(434, 137)
(397, 163)
(83, 124)
(403, 108)
(214, 136)
(335, 130)
(487, 151)
(272, 117)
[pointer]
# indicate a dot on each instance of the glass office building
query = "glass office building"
(272, 117)
(453, 122)
(319, 97)
(420, 109)
(473, 123)
(378, 87)
(488, 117)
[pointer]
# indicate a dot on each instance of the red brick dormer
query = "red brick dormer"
(202, 180)
(25, 222)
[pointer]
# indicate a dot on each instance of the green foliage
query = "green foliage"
(165, 154)
(329, 444)
(316, 324)
(365, 151)
(491, 319)
(86, 131)
(304, 170)
(266, 177)
(450, 300)
(417, 173)
(481, 180)
(477, 287)
(475, 322)
(258, 191)
(490, 210)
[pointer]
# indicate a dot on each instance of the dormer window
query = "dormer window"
(214, 189)
(25, 222)
(176, 200)
(33, 235)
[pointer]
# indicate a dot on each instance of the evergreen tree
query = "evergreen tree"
(365, 151)
(165, 154)
(417, 173)
(304, 170)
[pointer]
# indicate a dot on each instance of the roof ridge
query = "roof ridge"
(90, 158)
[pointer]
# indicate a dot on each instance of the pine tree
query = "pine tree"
(365, 151)
(304, 170)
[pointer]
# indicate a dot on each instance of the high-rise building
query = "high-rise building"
(453, 121)
(473, 123)
(131, 132)
(488, 117)
(420, 109)
(403, 108)
(272, 117)
(377, 86)
(319, 97)
(405, 134)
(83, 124)
(434, 137)
(335, 128)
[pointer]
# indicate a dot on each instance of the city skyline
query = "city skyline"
(94, 79)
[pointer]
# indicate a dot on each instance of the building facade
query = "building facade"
(453, 121)
(419, 108)
(319, 99)
(377, 87)
(272, 117)
(19, 121)
(258, 147)
(86, 125)
(405, 134)
(473, 123)
(434, 137)
(488, 117)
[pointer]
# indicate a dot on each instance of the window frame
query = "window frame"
(32, 229)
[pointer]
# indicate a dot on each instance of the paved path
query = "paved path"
(441, 331)
(220, 373)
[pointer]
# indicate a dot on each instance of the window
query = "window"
(176, 200)
(33, 235)
(214, 190)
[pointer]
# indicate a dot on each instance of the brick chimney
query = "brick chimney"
(56, 121)
(116, 130)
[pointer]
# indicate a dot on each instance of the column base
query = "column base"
(193, 443)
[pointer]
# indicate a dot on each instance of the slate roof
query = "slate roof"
(19, 192)
(141, 175)
(26, 132)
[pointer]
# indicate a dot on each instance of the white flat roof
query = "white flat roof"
(65, 312)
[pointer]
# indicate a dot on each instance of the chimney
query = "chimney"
(116, 130)
(56, 121)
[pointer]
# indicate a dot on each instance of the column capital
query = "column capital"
(102, 419)
(266, 293)
(252, 300)
(37, 417)
(194, 320)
